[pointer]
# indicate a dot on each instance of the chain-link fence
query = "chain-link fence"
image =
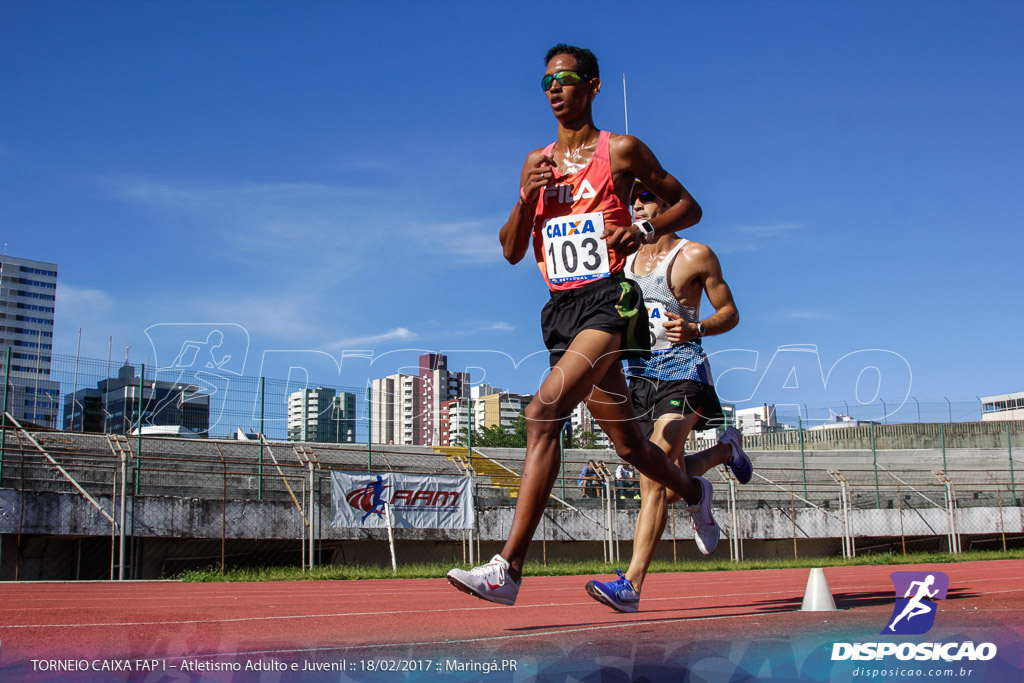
(99, 506)
(91, 395)
(203, 387)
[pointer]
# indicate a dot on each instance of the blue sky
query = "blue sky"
(332, 176)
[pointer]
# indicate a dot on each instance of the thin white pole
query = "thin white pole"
(312, 519)
(106, 389)
(302, 529)
(124, 477)
(625, 109)
(391, 537)
(74, 390)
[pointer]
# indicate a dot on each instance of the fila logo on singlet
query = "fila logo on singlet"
(565, 194)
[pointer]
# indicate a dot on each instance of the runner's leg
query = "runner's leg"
(703, 461)
(610, 405)
(670, 433)
(585, 362)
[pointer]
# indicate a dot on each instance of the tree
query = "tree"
(584, 438)
(495, 436)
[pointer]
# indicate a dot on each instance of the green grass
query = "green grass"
(437, 570)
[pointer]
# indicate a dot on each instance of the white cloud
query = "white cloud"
(470, 242)
(807, 315)
(754, 237)
(83, 302)
(397, 334)
(476, 328)
(308, 225)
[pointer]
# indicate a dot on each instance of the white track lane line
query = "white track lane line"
(336, 615)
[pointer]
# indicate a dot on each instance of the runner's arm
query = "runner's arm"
(538, 171)
(633, 160)
(701, 259)
(727, 315)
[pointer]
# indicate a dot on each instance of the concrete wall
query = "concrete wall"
(988, 434)
(63, 514)
(55, 525)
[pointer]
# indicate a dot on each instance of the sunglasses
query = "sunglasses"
(645, 197)
(563, 78)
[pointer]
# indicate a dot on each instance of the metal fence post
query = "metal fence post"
(369, 428)
(1009, 448)
(734, 554)
(608, 556)
(3, 421)
(124, 484)
(874, 460)
(792, 509)
(138, 453)
(263, 438)
(561, 459)
(954, 532)
(942, 439)
(312, 507)
(803, 463)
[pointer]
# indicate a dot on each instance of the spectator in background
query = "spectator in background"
(588, 480)
(625, 481)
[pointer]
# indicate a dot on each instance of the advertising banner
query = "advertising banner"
(418, 501)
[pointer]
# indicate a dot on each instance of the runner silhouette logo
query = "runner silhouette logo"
(917, 594)
(369, 498)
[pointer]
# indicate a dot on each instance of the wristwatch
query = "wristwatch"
(646, 231)
(701, 330)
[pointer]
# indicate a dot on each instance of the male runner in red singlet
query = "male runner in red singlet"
(573, 201)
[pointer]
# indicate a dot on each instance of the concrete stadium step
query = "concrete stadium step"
(484, 467)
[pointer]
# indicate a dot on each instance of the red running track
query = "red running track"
(714, 619)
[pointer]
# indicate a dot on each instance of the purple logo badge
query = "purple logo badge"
(916, 596)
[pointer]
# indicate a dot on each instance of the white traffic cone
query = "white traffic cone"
(818, 596)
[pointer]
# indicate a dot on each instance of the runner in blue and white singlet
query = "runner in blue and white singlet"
(672, 393)
(685, 360)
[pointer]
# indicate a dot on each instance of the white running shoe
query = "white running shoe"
(489, 581)
(705, 531)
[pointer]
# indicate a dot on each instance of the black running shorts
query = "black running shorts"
(612, 304)
(653, 398)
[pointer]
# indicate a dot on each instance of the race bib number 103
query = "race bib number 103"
(575, 249)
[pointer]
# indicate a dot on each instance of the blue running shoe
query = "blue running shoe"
(619, 595)
(740, 463)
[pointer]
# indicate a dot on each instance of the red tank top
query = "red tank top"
(570, 219)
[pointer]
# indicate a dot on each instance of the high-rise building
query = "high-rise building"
(437, 385)
(489, 407)
(27, 296)
(395, 409)
(452, 425)
(114, 405)
(322, 415)
(585, 426)
(410, 409)
(498, 407)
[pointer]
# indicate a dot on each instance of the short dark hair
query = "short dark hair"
(586, 62)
